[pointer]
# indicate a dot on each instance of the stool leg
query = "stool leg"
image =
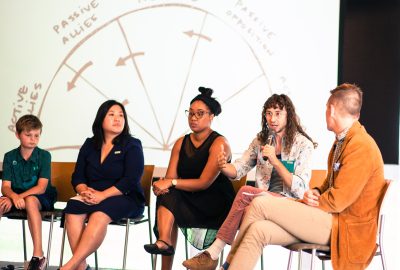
(24, 239)
(50, 238)
(312, 259)
(299, 266)
(152, 257)
(96, 264)
(62, 246)
(289, 265)
(126, 243)
(186, 247)
(262, 260)
(221, 261)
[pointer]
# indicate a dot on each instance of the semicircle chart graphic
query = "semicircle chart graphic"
(155, 70)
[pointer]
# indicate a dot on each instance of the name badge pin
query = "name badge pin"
(336, 166)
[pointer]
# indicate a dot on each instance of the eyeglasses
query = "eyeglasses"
(197, 114)
(276, 114)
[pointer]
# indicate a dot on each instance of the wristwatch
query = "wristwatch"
(174, 182)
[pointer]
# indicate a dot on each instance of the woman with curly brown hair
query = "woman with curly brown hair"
(281, 153)
(341, 212)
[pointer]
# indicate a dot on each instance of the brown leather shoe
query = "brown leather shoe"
(201, 261)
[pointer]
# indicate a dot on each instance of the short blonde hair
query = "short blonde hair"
(348, 97)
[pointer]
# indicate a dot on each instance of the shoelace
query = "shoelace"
(201, 255)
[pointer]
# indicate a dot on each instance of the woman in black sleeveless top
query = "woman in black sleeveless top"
(193, 193)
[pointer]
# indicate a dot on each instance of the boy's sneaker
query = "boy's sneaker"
(37, 264)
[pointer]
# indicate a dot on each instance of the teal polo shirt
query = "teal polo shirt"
(24, 174)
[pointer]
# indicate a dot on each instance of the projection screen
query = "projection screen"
(61, 59)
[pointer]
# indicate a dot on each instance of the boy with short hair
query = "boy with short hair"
(25, 185)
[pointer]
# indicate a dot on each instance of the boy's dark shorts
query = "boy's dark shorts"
(46, 201)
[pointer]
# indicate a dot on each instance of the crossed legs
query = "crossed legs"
(228, 229)
(276, 221)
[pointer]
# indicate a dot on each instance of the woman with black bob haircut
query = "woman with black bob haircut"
(97, 127)
(107, 179)
(192, 188)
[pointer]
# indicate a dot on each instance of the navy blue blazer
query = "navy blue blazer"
(122, 168)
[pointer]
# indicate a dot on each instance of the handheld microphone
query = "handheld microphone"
(269, 142)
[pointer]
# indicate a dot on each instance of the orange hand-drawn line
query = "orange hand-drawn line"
(121, 61)
(191, 33)
(71, 84)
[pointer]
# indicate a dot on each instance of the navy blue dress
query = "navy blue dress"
(122, 168)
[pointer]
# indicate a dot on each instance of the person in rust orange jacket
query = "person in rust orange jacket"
(342, 212)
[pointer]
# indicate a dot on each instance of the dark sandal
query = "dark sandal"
(154, 249)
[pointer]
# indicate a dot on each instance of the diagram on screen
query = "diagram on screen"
(153, 60)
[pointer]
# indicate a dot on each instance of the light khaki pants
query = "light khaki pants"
(277, 221)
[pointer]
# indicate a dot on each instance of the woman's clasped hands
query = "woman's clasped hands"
(161, 186)
(92, 196)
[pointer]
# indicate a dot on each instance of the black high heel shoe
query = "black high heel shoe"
(154, 249)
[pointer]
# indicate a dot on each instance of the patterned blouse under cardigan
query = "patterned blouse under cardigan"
(300, 153)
